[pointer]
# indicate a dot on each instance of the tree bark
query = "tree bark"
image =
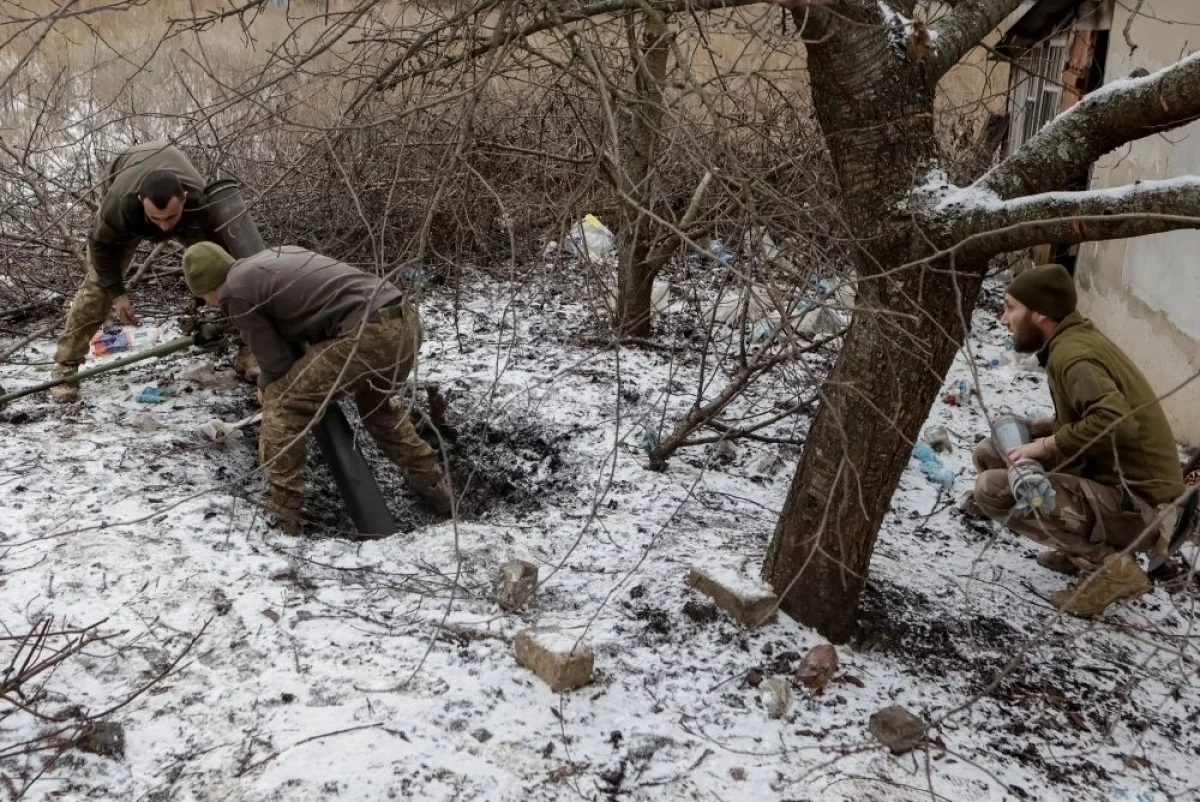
(636, 177)
(1068, 218)
(875, 106)
(920, 266)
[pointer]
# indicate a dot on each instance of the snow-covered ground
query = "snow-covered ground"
(274, 668)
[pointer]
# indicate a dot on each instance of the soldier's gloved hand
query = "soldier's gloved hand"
(207, 334)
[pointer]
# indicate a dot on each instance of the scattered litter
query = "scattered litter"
(760, 309)
(592, 240)
(720, 252)
(129, 338)
(778, 696)
(932, 466)
(219, 431)
(150, 394)
(939, 438)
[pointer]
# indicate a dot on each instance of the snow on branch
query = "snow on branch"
(984, 225)
(1113, 115)
(963, 28)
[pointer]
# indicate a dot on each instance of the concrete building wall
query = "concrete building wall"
(1144, 293)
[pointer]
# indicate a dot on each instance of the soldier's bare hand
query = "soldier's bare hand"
(124, 309)
(1039, 449)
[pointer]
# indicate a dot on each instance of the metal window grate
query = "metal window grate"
(1036, 89)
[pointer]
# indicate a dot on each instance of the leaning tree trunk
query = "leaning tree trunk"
(875, 107)
(635, 179)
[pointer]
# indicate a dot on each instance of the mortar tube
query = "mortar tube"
(351, 473)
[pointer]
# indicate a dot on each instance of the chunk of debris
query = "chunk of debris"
(817, 667)
(749, 601)
(516, 585)
(104, 738)
(207, 378)
(221, 603)
(939, 438)
(559, 658)
(778, 693)
(897, 729)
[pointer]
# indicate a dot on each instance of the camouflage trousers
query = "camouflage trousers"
(90, 307)
(84, 318)
(371, 367)
(1090, 520)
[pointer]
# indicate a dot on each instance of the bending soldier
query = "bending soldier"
(363, 340)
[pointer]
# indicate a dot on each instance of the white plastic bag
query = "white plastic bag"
(592, 240)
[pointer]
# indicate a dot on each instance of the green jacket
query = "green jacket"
(1109, 425)
(121, 221)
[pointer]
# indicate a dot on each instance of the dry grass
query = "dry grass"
(478, 162)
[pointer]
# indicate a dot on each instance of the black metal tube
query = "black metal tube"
(235, 226)
(351, 473)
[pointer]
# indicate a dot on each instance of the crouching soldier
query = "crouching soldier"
(362, 340)
(150, 192)
(1109, 452)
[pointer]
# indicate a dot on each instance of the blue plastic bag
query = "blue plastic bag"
(932, 467)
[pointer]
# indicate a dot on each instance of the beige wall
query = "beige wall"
(1144, 293)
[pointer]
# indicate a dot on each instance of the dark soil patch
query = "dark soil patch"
(1048, 702)
(511, 465)
(897, 621)
(700, 611)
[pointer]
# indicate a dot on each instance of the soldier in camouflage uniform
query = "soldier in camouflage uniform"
(1109, 452)
(363, 341)
(151, 192)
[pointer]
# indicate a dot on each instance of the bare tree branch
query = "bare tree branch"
(1067, 218)
(962, 29)
(1113, 115)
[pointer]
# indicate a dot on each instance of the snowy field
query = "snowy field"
(246, 665)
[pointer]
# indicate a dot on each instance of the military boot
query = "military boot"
(245, 365)
(1120, 577)
(64, 393)
(969, 507)
(1062, 563)
(285, 512)
(438, 497)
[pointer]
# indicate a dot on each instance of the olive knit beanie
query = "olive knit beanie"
(1048, 289)
(205, 266)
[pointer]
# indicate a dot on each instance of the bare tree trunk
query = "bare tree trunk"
(637, 265)
(875, 106)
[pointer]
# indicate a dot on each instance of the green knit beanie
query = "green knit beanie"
(1048, 289)
(205, 266)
